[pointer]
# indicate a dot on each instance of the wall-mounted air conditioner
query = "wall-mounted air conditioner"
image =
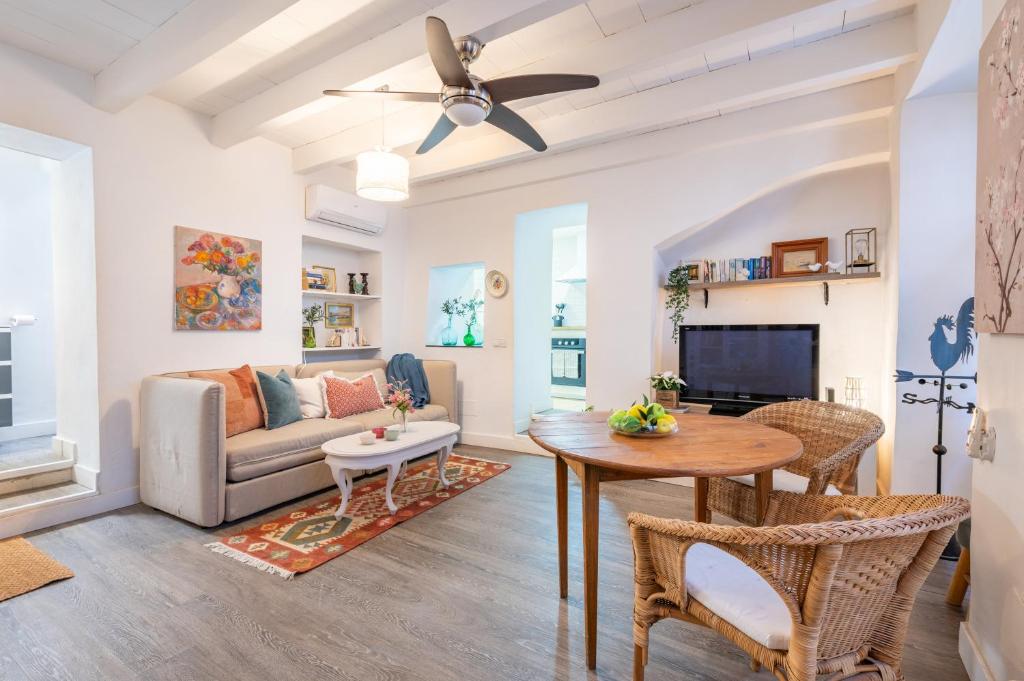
(341, 209)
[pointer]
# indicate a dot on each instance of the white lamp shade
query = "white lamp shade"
(466, 114)
(382, 176)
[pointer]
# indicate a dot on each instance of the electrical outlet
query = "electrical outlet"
(500, 343)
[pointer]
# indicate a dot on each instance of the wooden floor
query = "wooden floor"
(467, 591)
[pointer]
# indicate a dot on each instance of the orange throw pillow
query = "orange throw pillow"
(241, 400)
(345, 398)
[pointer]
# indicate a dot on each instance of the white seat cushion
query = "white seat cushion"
(738, 594)
(784, 481)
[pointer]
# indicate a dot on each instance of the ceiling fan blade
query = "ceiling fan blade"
(432, 97)
(442, 53)
(520, 87)
(508, 120)
(441, 129)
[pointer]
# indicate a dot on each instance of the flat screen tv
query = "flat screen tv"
(753, 364)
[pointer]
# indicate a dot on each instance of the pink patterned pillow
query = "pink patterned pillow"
(345, 398)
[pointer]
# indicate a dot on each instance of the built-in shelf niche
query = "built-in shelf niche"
(366, 309)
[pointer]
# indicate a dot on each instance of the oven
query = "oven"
(569, 361)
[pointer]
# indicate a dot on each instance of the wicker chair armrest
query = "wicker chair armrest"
(823, 472)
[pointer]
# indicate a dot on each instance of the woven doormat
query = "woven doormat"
(309, 537)
(24, 568)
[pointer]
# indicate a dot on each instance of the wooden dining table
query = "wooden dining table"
(704, 447)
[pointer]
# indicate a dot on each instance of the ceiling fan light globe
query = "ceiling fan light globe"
(382, 175)
(466, 114)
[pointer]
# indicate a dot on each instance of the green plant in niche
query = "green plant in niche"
(678, 299)
(311, 315)
(468, 310)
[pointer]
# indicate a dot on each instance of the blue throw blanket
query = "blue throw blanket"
(405, 367)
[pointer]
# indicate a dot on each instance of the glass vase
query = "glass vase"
(403, 420)
(468, 339)
(308, 337)
(448, 336)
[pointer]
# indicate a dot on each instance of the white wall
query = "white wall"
(700, 172)
(852, 325)
(154, 169)
(991, 640)
(26, 287)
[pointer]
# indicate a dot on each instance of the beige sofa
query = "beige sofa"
(188, 468)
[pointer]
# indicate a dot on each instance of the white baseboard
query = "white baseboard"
(515, 443)
(974, 661)
(20, 431)
(83, 475)
(66, 511)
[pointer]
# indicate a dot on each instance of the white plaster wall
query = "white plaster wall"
(852, 325)
(703, 172)
(26, 287)
(154, 168)
(938, 150)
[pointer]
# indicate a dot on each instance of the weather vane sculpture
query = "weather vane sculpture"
(945, 355)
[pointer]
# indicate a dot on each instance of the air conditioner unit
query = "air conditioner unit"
(341, 209)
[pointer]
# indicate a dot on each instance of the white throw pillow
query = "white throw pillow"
(311, 397)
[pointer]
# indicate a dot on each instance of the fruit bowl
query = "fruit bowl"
(646, 419)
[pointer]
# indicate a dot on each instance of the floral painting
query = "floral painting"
(999, 253)
(217, 281)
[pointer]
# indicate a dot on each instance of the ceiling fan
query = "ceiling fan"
(468, 100)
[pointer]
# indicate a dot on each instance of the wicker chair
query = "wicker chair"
(835, 595)
(834, 438)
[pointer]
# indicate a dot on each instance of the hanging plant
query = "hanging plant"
(678, 299)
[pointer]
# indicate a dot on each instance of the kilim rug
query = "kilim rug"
(23, 568)
(302, 540)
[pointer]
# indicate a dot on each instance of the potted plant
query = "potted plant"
(467, 310)
(559, 318)
(311, 315)
(450, 307)
(678, 299)
(666, 387)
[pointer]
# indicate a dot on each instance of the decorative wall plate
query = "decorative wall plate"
(497, 283)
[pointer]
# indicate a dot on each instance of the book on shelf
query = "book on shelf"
(731, 269)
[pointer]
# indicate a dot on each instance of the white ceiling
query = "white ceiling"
(661, 62)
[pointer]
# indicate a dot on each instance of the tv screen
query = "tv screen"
(760, 363)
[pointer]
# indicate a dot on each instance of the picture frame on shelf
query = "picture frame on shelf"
(339, 315)
(798, 258)
(329, 277)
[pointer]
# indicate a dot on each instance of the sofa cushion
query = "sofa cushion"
(278, 398)
(346, 398)
(738, 594)
(378, 377)
(259, 452)
(383, 418)
(784, 481)
(241, 402)
(310, 392)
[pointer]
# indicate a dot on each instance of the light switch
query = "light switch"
(500, 343)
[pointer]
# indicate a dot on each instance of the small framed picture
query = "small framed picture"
(799, 258)
(339, 316)
(328, 277)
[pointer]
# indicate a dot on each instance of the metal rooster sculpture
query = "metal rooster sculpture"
(945, 355)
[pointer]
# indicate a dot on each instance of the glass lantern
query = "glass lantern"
(862, 250)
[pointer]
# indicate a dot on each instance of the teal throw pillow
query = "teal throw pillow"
(280, 402)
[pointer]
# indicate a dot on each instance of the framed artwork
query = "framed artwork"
(797, 258)
(339, 316)
(999, 246)
(328, 277)
(218, 281)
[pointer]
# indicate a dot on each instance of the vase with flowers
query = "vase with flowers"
(450, 308)
(311, 315)
(468, 312)
(666, 386)
(401, 403)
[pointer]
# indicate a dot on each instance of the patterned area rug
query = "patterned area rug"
(302, 540)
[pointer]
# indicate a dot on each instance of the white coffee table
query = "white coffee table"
(346, 454)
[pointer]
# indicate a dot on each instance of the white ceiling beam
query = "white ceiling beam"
(402, 44)
(200, 29)
(671, 38)
(848, 107)
(852, 57)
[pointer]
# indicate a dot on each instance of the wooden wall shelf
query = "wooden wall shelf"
(812, 279)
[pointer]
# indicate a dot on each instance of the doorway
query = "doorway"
(550, 312)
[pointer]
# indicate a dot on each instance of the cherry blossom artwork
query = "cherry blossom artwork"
(999, 253)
